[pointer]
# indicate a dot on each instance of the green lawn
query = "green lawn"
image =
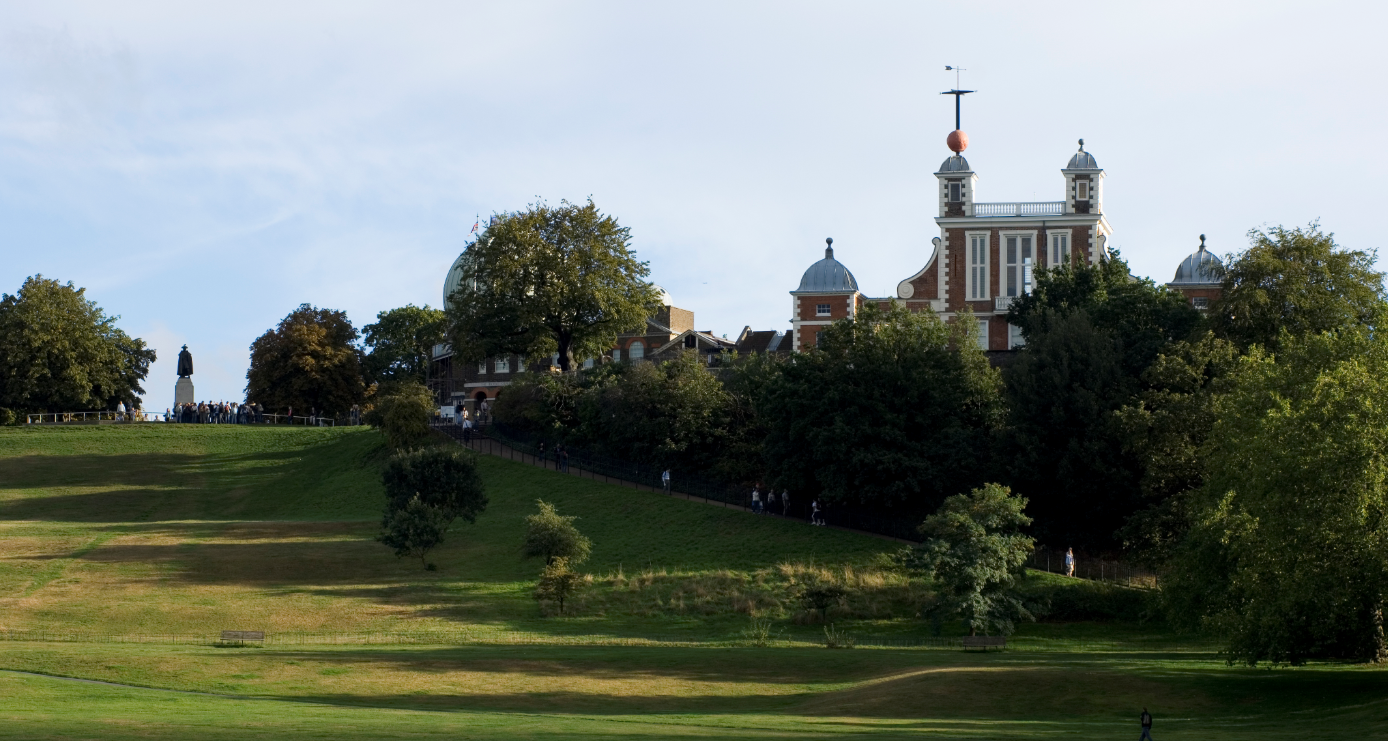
(155, 529)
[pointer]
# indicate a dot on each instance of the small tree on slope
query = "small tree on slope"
(973, 552)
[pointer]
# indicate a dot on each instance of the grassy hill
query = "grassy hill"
(145, 530)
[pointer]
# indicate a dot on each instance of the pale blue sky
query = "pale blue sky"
(203, 170)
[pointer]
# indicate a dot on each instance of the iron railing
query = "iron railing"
(1020, 208)
(140, 416)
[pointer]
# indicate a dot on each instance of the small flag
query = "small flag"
(475, 224)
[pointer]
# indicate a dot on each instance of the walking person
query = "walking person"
(756, 499)
(562, 457)
(815, 518)
(544, 462)
(1146, 726)
(785, 502)
(120, 411)
(771, 502)
(665, 480)
(1069, 561)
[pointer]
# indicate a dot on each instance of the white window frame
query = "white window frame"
(587, 363)
(1015, 338)
(616, 354)
(503, 365)
(1014, 269)
(954, 193)
(1058, 249)
(823, 310)
(977, 283)
(520, 364)
(1082, 184)
(636, 350)
(983, 333)
(482, 368)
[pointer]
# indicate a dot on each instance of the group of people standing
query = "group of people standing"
(222, 412)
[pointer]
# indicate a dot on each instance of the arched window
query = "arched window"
(636, 350)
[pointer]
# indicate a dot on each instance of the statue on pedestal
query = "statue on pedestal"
(183, 390)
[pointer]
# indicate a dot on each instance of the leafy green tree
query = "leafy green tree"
(445, 478)
(414, 529)
(1063, 445)
(1091, 333)
(401, 412)
(60, 352)
(1296, 280)
(1165, 428)
(552, 536)
(558, 582)
(307, 362)
(402, 342)
(973, 552)
(1145, 316)
(892, 410)
(549, 280)
(664, 414)
(1288, 556)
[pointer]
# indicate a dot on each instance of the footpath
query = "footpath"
(485, 445)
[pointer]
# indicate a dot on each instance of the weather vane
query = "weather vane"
(956, 92)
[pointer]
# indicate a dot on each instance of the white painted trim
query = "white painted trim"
(970, 293)
(1002, 257)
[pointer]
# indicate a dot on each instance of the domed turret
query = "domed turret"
(454, 280)
(1082, 160)
(1200, 268)
(828, 274)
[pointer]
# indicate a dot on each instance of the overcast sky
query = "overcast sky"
(202, 169)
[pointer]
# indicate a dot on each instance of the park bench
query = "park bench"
(241, 636)
(984, 642)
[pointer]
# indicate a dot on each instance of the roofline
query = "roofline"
(840, 292)
(1174, 284)
(986, 221)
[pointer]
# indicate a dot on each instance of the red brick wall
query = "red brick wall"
(838, 307)
(927, 284)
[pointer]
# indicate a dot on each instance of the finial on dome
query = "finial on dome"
(829, 251)
(1202, 242)
(957, 141)
(1081, 145)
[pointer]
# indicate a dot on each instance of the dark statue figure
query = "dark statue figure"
(185, 363)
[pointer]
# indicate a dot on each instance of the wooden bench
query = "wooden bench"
(241, 636)
(984, 642)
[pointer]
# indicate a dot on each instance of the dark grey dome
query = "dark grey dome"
(1082, 160)
(1200, 268)
(828, 275)
(956, 163)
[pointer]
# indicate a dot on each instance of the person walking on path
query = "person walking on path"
(665, 481)
(815, 517)
(562, 457)
(1146, 726)
(544, 462)
(785, 502)
(1069, 561)
(756, 499)
(771, 501)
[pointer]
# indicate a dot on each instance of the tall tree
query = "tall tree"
(1288, 559)
(1091, 334)
(60, 352)
(308, 361)
(893, 410)
(1298, 280)
(402, 341)
(549, 280)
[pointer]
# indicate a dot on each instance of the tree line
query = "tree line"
(1239, 450)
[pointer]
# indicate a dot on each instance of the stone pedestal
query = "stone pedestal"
(183, 391)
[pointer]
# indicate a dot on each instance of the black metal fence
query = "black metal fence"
(690, 484)
(1094, 568)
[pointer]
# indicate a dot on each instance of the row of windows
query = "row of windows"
(636, 351)
(1017, 263)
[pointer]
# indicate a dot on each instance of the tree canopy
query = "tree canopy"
(549, 280)
(60, 352)
(1288, 556)
(1296, 280)
(553, 537)
(308, 361)
(402, 341)
(892, 409)
(973, 552)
